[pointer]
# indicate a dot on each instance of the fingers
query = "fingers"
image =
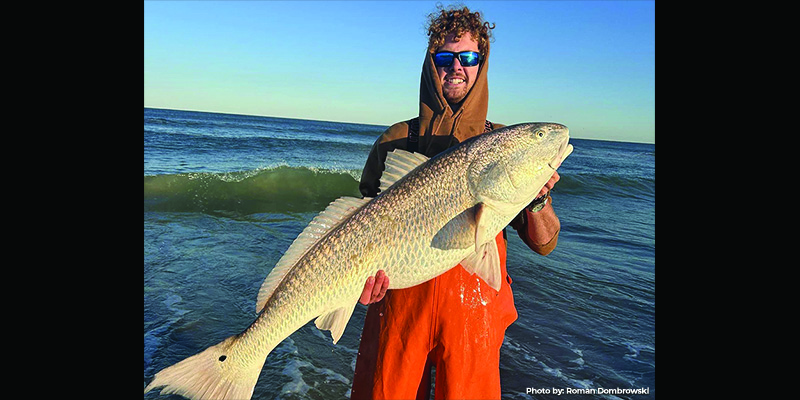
(543, 191)
(382, 283)
(375, 288)
(367, 293)
(550, 184)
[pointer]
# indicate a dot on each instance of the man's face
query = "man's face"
(456, 79)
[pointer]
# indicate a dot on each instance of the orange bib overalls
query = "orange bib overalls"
(455, 322)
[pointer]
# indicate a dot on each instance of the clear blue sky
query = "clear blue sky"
(587, 64)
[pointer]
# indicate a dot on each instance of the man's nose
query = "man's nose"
(453, 67)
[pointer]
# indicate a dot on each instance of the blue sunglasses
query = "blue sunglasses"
(466, 58)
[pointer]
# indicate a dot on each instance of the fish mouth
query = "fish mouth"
(563, 151)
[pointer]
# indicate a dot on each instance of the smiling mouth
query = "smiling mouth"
(454, 81)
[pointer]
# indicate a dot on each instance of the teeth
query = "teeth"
(455, 81)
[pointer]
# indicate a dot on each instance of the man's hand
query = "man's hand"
(375, 288)
(549, 185)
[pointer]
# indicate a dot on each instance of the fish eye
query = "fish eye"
(539, 133)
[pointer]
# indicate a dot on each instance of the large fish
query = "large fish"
(430, 215)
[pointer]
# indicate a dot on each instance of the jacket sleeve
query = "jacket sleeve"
(525, 230)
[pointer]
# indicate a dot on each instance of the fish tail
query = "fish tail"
(218, 372)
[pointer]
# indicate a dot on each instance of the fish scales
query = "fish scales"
(443, 211)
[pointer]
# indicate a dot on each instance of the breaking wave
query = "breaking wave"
(281, 189)
(286, 189)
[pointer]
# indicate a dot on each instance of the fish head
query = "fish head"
(512, 164)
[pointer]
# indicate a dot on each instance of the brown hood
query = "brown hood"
(439, 128)
(435, 115)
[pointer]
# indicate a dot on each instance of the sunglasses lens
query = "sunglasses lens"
(466, 58)
(443, 59)
(469, 58)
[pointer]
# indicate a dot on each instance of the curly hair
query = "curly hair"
(458, 20)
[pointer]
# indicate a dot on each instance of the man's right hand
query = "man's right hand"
(375, 288)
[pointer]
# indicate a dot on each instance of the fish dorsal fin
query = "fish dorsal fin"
(323, 223)
(398, 164)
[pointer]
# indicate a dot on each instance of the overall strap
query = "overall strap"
(413, 135)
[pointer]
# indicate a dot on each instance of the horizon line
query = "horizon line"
(354, 123)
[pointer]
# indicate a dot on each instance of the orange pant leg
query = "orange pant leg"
(470, 329)
(455, 322)
(394, 345)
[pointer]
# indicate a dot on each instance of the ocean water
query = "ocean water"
(225, 195)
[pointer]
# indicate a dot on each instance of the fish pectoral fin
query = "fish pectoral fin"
(487, 211)
(458, 233)
(481, 211)
(485, 262)
(335, 320)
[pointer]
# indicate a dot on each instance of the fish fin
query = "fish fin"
(488, 210)
(339, 210)
(458, 233)
(480, 229)
(335, 320)
(211, 374)
(501, 207)
(398, 164)
(485, 262)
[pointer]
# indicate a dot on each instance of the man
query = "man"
(455, 322)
